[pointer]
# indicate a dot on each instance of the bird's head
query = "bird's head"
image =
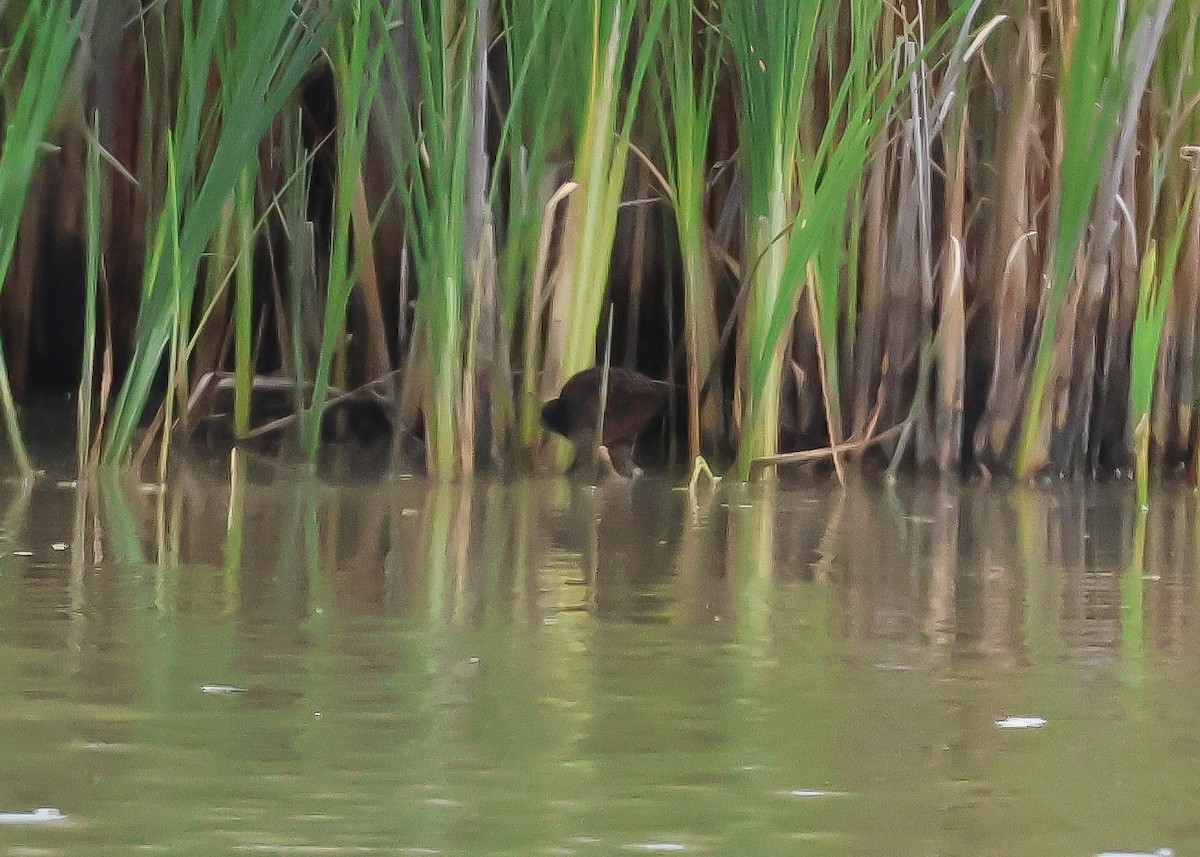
(556, 416)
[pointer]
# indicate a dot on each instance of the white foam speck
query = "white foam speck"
(1021, 722)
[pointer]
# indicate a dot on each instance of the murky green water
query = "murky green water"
(537, 669)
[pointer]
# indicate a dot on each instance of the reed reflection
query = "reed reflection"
(402, 645)
(938, 570)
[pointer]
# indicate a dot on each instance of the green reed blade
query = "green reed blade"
(1096, 84)
(429, 147)
(40, 56)
(620, 59)
(685, 104)
(244, 301)
(1154, 297)
(357, 54)
(267, 52)
(535, 133)
(87, 369)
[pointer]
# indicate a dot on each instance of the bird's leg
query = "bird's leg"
(621, 456)
(700, 468)
(591, 458)
(606, 466)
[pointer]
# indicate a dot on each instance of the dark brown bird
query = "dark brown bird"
(633, 400)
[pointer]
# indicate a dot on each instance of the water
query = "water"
(533, 668)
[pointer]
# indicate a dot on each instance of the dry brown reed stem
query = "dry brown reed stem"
(541, 292)
(826, 395)
(1013, 253)
(377, 357)
(810, 455)
(1187, 301)
(951, 359)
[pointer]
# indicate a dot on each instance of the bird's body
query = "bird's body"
(633, 400)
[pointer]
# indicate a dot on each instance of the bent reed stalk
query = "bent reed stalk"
(971, 236)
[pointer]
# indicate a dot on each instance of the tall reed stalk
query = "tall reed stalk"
(1108, 55)
(1154, 297)
(266, 51)
(357, 56)
(87, 370)
(431, 152)
(802, 171)
(33, 73)
(534, 138)
(620, 50)
(243, 303)
(1170, 107)
(691, 66)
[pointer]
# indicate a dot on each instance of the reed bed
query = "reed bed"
(951, 238)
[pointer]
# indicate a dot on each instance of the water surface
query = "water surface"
(276, 663)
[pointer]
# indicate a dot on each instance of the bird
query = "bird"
(633, 400)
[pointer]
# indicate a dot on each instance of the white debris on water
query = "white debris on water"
(813, 793)
(1014, 721)
(41, 815)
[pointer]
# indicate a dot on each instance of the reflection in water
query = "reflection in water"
(538, 666)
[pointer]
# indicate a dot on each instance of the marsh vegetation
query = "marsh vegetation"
(957, 234)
